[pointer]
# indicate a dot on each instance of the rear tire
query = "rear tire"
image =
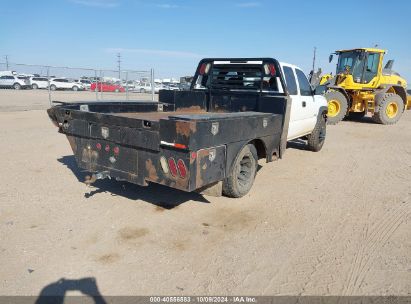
(242, 173)
(75, 88)
(315, 140)
(17, 86)
(34, 86)
(389, 108)
(337, 106)
(53, 87)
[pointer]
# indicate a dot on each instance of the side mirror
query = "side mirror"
(330, 58)
(320, 90)
(389, 64)
(312, 89)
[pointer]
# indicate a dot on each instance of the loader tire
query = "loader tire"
(315, 140)
(242, 173)
(337, 106)
(389, 108)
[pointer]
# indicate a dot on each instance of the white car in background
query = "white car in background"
(39, 83)
(14, 82)
(130, 85)
(65, 84)
(146, 88)
(171, 87)
(85, 82)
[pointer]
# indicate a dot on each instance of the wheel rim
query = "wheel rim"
(391, 110)
(244, 170)
(333, 108)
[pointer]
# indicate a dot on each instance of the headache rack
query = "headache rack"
(236, 76)
(242, 75)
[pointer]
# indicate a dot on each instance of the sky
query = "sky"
(171, 36)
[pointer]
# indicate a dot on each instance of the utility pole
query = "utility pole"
(7, 62)
(315, 50)
(119, 65)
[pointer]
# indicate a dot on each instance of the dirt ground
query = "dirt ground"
(335, 222)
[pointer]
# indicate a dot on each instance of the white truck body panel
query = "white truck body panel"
(304, 106)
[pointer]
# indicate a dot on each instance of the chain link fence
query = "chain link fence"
(69, 84)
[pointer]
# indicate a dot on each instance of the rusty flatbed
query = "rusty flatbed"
(189, 140)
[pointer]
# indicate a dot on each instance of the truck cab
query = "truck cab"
(243, 77)
(304, 102)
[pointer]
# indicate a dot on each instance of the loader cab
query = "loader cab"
(364, 65)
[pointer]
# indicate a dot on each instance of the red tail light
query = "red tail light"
(172, 165)
(182, 170)
(272, 69)
(180, 146)
(98, 146)
(202, 69)
(116, 150)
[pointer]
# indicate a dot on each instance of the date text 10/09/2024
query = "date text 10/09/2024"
(206, 299)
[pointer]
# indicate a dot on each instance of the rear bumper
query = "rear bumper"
(140, 167)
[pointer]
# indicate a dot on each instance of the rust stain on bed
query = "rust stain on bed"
(192, 109)
(151, 170)
(183, 128)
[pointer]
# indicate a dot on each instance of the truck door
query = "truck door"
(307, 102)
(300, 113)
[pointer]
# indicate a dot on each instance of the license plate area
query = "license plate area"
(101, 153)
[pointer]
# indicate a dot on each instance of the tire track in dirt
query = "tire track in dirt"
(374, 238)
(317, 259)
(303, 266)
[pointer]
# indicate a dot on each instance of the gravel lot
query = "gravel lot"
(335, 222)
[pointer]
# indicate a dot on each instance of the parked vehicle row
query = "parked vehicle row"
(18, 82)
(24, 82)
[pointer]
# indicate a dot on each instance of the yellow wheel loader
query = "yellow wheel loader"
(362, 86)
